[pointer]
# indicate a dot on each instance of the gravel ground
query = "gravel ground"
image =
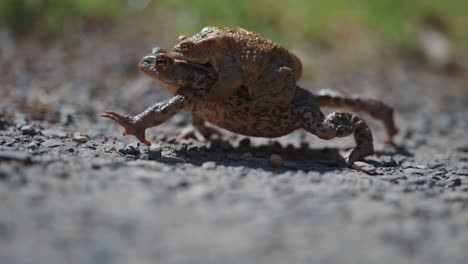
(72, 190)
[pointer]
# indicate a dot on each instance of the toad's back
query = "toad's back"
(253, 52)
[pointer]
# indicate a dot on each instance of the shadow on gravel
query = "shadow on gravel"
(258, 157)
(395, 149)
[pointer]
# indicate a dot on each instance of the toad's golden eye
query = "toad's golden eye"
(161, 61)
(184, 47)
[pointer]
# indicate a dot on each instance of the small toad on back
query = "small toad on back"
(241, 57)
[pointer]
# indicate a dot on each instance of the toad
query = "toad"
(190, 84)
(243, 59)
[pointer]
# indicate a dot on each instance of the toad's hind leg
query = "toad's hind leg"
(198, 130)
(340, 125)
(375, 108)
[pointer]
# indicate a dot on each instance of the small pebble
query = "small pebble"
(80, 139)
(415, 171)
(54, 133)
(91, 146)
(455, 182)
(374, 160)
(276, 160)
(129, 150)
(52, 143)
(33, 145)
(434, 164)
(389, 162)
(419, 180)
(30, 130)
(209, 165)
(436, 178)
(406, 165)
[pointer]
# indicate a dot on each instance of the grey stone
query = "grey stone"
(54, 133)
(373, 159)
(30, 130)
(416, 171)
(419, 180)
(454, 182)
(33, 145)
(52, 143)
(462, 172)
(389, 161)
(129, 150)
(209, 165)
(434, 164)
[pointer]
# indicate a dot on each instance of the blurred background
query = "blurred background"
(392, 27)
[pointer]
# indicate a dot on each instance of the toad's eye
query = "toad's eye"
(185, 47)
(161, 61)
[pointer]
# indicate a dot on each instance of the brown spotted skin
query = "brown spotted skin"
(243, 58)
(235, 113)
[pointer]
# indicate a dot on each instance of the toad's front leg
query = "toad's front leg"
(153, 116)
(229, 80)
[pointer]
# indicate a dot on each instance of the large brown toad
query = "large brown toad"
(190, 83)
(243, 58)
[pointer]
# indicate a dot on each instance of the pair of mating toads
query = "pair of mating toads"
(245, 83)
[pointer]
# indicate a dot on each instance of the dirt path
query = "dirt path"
(108, 200)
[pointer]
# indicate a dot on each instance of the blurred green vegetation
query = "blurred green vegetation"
(394, 22)
(53, 16)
